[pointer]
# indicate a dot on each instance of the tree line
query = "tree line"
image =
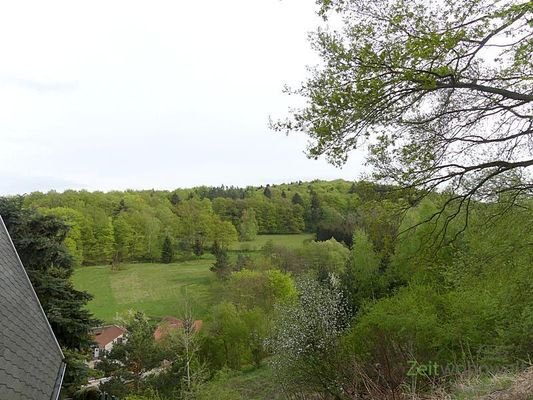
(152, 225)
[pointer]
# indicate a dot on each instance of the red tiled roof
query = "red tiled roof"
(107, 334)
(170, 323)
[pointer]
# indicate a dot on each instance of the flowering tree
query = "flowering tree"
(305, 336)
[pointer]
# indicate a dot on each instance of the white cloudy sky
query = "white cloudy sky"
(152, 94)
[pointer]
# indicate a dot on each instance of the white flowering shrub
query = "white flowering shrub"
(304, 339)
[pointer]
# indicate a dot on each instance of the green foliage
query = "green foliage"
(40, 242)
(227, 334)
(123, 233)
(257, 327)
(324, 258)
(248, 226)
(222, 266)
(181, 348)
(73, 240)
(77, 371)
(297, 199)
(167, 252)
(215, 388)
(460, 306)
(401, 78)
(461, 301)
(139, 353)
(223, 233)
(132, 225)
(267, 192)
(103, 245)
(304, 338)
(362, 279)
(249, 289)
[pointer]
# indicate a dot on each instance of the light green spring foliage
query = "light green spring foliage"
(325, 257)
(407, 75)
(469, 300)
(227, 335)
(124, 235)
(410, 317)
(132, 225)
(363, 280)
(248, 226)
(74, 239)
(237, 327)
(249, 288)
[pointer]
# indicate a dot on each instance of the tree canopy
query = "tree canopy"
(440, 92)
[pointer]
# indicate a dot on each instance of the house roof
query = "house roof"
(31, 361)
(106, 334)
(169, 324)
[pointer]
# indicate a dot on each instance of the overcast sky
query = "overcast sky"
(108, 95)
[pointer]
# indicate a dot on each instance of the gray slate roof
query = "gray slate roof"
(31, 361)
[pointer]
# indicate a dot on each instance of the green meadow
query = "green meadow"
(156, 289)
(290, 241)
(160, 289)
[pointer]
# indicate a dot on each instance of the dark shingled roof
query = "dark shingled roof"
(31, 361)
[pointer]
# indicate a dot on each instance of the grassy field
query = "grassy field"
(291, 241)
(160, 289)
(156, 289)
(251, 384)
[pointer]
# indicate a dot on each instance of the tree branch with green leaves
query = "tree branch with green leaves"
(439, 93)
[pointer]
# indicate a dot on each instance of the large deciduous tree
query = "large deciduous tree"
(441, 92)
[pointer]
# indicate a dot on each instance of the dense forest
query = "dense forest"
(386, 302)
(133, 225)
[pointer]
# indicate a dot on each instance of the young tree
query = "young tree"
(249, 289)
(74, 238)
(182, 347)
(223, 232)
(362, 279)
(316, 213)
(267, 192)
(297, 199)
(139, 353)
(167, 252)
(123, 238)
(198, 245)
(152, 229)
(175, 198)
(196, 224)
(443, 90)
(222, 266)
(248, 225)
